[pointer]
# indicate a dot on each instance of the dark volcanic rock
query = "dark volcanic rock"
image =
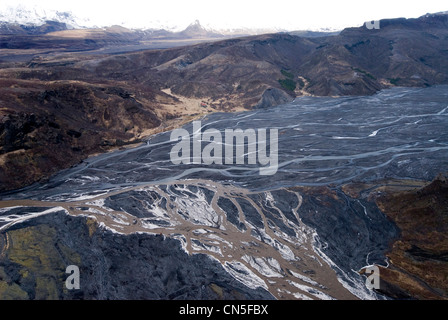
(112, 266)
(232, 212)
(272, 97)
(348, 227)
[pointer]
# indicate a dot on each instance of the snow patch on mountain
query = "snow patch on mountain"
(36, 16)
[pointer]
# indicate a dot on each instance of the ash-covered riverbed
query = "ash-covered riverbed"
(200, 231)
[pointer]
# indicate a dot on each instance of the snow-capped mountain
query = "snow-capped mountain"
(35, 16)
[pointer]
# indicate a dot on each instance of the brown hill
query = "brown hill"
(46, 126)
(418, 259)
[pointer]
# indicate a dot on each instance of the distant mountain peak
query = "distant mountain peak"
(195, 29)
(196, 25)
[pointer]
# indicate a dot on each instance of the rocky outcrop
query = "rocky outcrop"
(273, 97)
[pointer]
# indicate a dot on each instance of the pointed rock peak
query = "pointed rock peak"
(196, 25)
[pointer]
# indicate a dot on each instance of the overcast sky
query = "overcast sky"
(227, 14)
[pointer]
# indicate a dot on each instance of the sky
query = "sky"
(232, 14)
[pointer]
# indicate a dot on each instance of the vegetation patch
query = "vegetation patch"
(287, 74)
(365, 73)
(287, 84)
